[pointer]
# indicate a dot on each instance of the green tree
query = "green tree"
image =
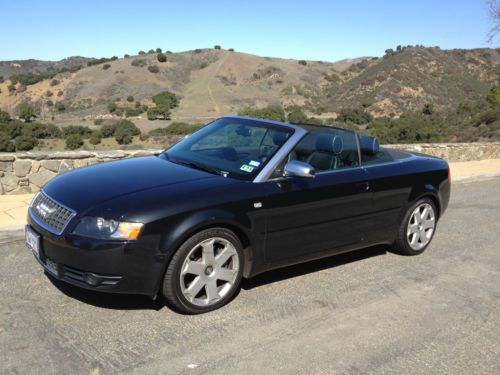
(166, 98)
(130, 98)
(161, 57)
(151, 51)
(26, 112)
(74, 141)
(217, 46)
(354, 115)
(142, 53)
(25, 143)
(123, 137)
(158, 50)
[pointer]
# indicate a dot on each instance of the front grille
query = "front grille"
(79, 276)
(50, 214)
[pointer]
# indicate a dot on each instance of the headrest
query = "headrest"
(279, 138)
(369, 145)
(327, 142)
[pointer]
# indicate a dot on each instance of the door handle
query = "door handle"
(363, 186)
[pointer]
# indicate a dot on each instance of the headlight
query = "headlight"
(98, 227)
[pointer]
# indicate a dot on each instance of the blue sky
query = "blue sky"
(313, 29)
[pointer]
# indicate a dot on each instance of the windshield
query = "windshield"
(233, 147)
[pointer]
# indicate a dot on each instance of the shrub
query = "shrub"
(5, 144)
(160, 112)
(123, 137)
(126, 56)
(142, 53)
(166, 98)
(297, 117)
(11, 88)
(106, 66)
(303, 62)
(48, 93)
(95, 138)
(60, 107)
(98, 121)
(25, 143)
(4, 117)
(138, 62)
(112, 107)
(60, 93)
(130, 98)
(231, 49)
(493, 96)
(49, 103)
(217, 46)
(130, 112)
(158, 50)
(161, 57)
(1, 79)
(74, 141)
(272, 113)
(153, 69)
(83, 131)
(25, 111)
(108, 130)
(428, 109)
(197, 50)
(354, 115)
(175, 128)
(151, 51)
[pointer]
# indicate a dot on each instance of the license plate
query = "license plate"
(33, 241)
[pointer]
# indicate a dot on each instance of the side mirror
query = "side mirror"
(295, 168)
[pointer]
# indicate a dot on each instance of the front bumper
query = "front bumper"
(108, 266)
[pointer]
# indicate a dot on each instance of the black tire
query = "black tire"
(171, 288)
(401, 245)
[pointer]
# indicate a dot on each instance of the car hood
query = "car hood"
(84, 188)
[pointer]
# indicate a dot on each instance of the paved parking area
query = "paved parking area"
(366, 312)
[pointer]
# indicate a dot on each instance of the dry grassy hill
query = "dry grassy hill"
(213, 82)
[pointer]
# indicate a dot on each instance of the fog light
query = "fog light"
(91, 279)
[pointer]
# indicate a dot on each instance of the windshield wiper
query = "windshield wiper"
(199, 166)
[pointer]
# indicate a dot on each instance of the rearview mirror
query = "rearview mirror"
(295, 168)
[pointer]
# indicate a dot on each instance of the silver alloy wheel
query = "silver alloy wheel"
(421, 226)
(209, 271)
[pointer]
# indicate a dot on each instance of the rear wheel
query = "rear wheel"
(417, 228)
(205, 271)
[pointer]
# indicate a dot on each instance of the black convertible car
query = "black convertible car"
(236, 198)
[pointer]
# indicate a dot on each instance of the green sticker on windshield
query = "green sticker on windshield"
(247, 168)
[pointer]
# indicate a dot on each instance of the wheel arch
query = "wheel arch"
(202, 221)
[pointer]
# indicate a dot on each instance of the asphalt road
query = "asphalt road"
(366, 312)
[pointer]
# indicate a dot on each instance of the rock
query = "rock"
(80, 163)
(22, 167)
(6, 166)
(7, 157)
(51, 165)
(66, 165)
(10, 181)
(35, 166)
(41, 178)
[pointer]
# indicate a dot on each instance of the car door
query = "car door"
(326, 214)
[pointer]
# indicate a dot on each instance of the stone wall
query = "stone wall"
(26, 172)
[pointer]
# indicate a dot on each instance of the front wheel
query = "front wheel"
(205, 271)
(417, 228)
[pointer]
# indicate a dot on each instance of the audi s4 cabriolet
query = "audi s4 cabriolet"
(238, 197)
